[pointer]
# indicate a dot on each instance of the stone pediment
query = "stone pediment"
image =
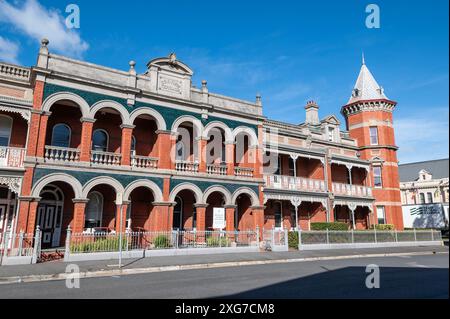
(331, 119)
(170, 64)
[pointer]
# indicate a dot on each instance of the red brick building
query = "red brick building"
(83, 145)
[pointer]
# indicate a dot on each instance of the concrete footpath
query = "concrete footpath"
(57, 270)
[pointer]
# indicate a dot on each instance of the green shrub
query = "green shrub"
(293, 239)
(161, 241)
(329, 226)
(98, 245)
(217, 242)
(383, 227)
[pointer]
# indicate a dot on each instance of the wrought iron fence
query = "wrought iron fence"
(20, 246)
(363, 237)
(77, 243)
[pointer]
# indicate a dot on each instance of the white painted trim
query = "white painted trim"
(157, 194)
(218, 188)
(99, 181)
(60, 96)
(161, 123)
(58, 177)
(198, 194)
(245, 190)
(125, 116)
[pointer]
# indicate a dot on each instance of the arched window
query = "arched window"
(94, 210)
(5, 130)
(61, 135)
(100, 141)
(178, 214)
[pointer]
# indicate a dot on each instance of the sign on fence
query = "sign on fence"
(218, 218)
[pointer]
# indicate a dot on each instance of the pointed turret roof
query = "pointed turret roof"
(366, 87)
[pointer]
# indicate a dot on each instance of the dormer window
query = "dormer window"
(355, 92)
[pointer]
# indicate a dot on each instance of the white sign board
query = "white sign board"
(424, 216)
(218, 218)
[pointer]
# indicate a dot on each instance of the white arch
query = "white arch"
(223, 126)
(58, 177)
(191, 119)
(157, 194)
(246, 190)
(102, 180)
(161, 123)
(218, 188)
(68, 96)
(198, 194)
(112, 105)
(248, 131)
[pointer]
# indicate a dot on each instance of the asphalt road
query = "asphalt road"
(400, 277)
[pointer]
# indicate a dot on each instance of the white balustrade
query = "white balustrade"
(144, 162)
(352, 190)
(186, 166)
(295, 183)
(11, 156)
(216, 169)
(243, 171)
(105, 158)
(13, 71)
(61, 154)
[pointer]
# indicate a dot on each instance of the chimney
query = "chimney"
(312, 113)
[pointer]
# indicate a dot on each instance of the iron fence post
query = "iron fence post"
(415, 235)
(19, 252)
(177, 238)
(257, 236)
(286, 243)
(299, 231)
(375, 234)
(5, 245)
(273, 236)
(328, 237)
(67, 248)
(36, 246)
(353, 237)
(432, 235)
(396, 235)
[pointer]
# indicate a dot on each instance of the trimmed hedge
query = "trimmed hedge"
(383, 227)
(293, 239)
(329, 226)
(217, 242)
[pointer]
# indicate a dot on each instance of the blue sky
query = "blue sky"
(289, 51)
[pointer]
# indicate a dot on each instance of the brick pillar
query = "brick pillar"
(24, 206)
(166, 149)
(201, 216)
(202, 155)
(121, 213)
(33, 133)
(230, 214)
(32, 211)
(229, 149)
(125, 149)
(163, 217)
(79, 206)
(42, 133)
(258, 215)
(86, 139)
(256, 163)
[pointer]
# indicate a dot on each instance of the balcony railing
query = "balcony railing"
(144, 162)
(11, 157)
(13, 71)
(105, 158)
(243, 171)
(61, 154)
(295, 183)
(352, 190)
(216, 169)
(186, 166)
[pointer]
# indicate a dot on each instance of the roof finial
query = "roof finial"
(363, 59)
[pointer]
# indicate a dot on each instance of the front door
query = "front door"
(49, 221)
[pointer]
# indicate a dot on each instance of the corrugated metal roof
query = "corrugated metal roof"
(437, 168)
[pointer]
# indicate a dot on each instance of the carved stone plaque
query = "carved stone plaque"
(170, 85)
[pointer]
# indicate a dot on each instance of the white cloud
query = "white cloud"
(424, 136)
(8, 51)
(37, 22)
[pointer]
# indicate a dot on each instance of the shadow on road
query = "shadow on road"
(395, 282)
